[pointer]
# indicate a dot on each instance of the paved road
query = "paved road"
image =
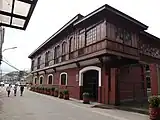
(34, 106)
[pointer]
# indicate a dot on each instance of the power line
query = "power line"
(10, 65)
(6, 59)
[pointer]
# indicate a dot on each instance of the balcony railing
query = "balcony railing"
(109, 45)
(122, 48)
(38, 66)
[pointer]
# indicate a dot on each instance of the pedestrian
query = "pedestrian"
(8, 89)
(15, 89)
(22, 89)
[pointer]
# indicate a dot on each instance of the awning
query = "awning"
(16, 13)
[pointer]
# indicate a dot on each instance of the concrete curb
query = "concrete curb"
(141, 111)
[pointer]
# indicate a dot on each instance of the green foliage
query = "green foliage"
(61, 92)
(56, 90)
(53, 88)
(154, 101)
(65, 92)
(86, 94)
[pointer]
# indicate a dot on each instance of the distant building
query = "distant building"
(28, 78)
(14, 76)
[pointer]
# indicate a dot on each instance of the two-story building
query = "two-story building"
(102, 53)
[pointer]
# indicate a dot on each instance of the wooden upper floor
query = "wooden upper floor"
(104, 31)
(149, 48)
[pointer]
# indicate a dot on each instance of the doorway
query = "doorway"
(90, 83)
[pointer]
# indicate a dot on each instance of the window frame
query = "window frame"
(35, 77)
(48, 79)
(41, 76)
(57, 54)
(32, 65)
(47, 58)
(64, 51)
(92, 33)
(38, 62)
(148, 81)
(71, 43)
(63, 73)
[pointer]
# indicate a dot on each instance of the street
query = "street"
(34, 106)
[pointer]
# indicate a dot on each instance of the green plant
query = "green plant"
(61, 92)
(86, 94)
(65, 92)
(56, 89)
(154, 101)
(52, 88)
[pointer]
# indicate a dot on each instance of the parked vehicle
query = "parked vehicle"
(1, 83)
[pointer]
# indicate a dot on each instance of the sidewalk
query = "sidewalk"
(119, 113)
(128, 108)
(125, 108)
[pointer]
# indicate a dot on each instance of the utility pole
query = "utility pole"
(1, 43)
(2, 30)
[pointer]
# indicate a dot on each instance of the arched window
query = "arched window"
(64, 47)
(38, 62)
(63, 78)
(57, 54)
(41, 79)
(35, 80)
(47, 58)
(50, 79)
(64, 51)
(71, 44)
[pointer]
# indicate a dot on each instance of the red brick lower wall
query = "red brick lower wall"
(72, 83)
(129, 84)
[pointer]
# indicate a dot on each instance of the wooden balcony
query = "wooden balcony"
(111, 47)
(122, 48)
(99, 48)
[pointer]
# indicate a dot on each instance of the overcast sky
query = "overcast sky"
(50, 15)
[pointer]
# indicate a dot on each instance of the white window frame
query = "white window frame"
(66, 78)
(40, 79)
(35, 77)
(48, 79)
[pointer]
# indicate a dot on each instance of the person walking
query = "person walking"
(15, 89)
(8, 89)
(22, 89)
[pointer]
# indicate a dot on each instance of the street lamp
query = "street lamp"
(9, 48)
(1, 56)
(16, 13)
